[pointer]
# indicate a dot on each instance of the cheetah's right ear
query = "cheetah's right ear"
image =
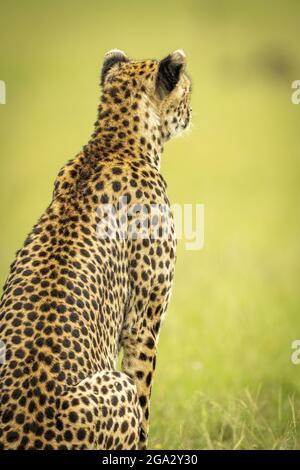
(169, 71)
(111, 58)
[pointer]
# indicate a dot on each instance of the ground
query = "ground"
(235, 306)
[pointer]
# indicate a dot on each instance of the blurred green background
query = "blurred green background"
(225, 377)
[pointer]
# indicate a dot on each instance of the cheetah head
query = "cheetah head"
(159, 91)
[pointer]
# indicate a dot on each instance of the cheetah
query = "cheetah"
(78, 293)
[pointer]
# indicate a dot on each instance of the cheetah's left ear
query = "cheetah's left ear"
(169, 71)
(111, 58)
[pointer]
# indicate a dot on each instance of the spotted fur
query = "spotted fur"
(72, 299)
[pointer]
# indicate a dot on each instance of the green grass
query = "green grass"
(262, 419)
(224, 376)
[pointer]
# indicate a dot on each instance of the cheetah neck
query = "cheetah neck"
(128, 126)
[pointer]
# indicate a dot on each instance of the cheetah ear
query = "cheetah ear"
(111, 58)
(169, 71)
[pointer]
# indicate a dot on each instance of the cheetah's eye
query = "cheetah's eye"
(111, 58)
(169, 71)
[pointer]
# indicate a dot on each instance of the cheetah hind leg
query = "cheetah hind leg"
(101, 412)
